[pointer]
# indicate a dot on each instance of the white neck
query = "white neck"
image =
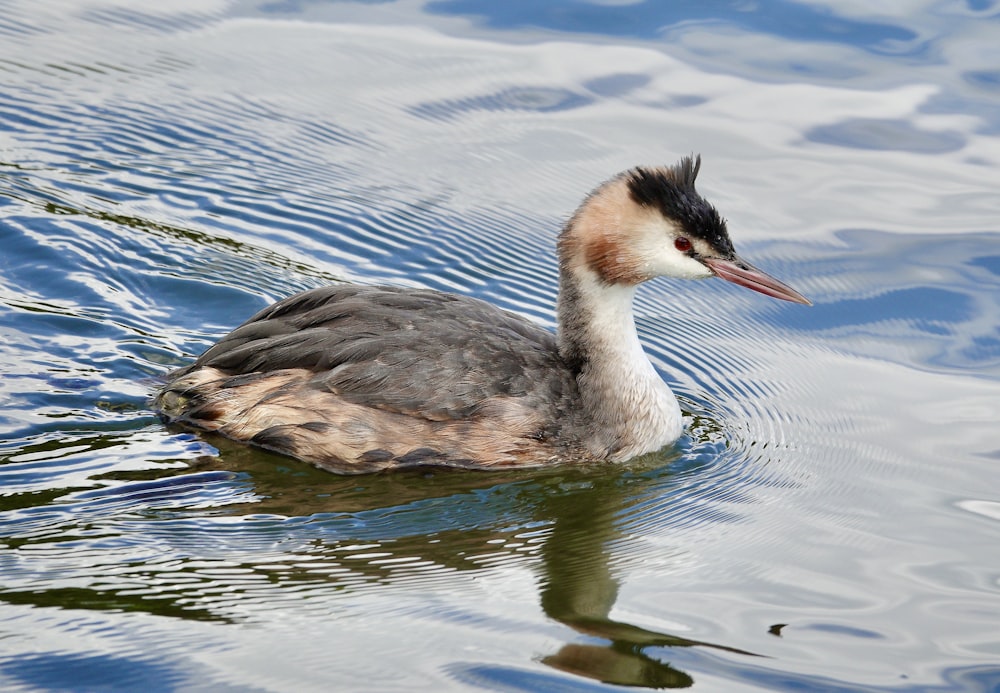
(631, 409)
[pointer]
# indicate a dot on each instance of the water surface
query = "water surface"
(829, 522)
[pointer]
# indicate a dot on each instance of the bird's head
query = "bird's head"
(651, 222)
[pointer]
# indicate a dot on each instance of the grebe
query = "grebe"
(363, 378)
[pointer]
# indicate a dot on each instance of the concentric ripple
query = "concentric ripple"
(829, 518)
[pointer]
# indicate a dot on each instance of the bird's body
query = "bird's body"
(359, 378)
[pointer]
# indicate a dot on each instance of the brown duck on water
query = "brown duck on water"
(363, 378)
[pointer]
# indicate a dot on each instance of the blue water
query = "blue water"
(829, 522)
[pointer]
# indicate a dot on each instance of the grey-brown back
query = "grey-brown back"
(418, 352)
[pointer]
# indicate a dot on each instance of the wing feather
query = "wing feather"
(422, 353)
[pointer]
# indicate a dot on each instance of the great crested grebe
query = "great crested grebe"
(363, 378)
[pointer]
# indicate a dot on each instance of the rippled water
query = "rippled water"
(830, 522)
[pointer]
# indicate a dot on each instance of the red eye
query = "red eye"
(682, 244)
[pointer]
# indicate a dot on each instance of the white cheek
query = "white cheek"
(659, 258)
(672, 263)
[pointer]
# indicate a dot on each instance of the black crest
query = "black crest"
(671, 191)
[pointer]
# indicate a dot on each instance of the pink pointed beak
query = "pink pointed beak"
(743, 273)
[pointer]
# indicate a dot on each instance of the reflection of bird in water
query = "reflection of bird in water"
(579, 589)
(436, 532)
(357, 379)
